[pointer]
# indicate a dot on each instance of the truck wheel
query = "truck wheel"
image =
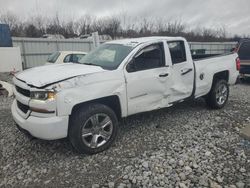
(218, 96)
(93, 128)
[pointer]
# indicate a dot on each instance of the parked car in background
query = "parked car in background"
(243, 50)
(84, 101)
(65, 57)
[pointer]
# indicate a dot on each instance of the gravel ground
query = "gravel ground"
(183, 146)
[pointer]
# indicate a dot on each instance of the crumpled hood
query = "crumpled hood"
(48, 74)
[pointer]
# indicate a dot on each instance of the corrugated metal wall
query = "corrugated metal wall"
(212, 47)
(36, 50)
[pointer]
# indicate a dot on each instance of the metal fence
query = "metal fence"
(207, 48)
(35, 51)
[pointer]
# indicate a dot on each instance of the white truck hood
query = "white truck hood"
(45, 75)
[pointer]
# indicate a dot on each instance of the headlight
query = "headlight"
(42, 95)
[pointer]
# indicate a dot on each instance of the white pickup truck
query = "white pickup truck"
(84, 101)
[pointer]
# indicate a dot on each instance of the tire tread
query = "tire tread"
(211, 97)
(75, 125)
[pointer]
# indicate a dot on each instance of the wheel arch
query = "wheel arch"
(222, 75)
(112, 101)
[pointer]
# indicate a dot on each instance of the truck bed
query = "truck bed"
(204, 56)
(206, 68)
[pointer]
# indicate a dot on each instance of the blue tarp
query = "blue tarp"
(5, 36)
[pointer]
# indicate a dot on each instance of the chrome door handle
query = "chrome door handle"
(163, 75)
(186, 71)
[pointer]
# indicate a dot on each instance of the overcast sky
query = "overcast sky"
(234, 15)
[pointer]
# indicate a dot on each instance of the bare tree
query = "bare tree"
(112, 27)
(121, 25)
(68, 29)
(40, 23)
(175, 28)
(32, 31)
(222, 32)
(10, 19)
(15, 25)
(84, 24)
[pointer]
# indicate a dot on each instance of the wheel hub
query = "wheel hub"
(97, 130)
(221, 94)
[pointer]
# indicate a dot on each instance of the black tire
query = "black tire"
(80, 118)
(212, 100)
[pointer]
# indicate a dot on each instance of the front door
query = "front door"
(147, 77)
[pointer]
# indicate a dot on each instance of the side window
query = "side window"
(177, 51)
(244, 51)
(67, 59)
(148, 58)
(77, 57)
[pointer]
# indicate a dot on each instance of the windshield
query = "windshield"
(53, 57)
(107, 56)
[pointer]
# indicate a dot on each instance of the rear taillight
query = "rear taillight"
(238, 64)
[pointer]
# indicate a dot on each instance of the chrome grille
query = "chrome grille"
(24, 108)
(24, 92)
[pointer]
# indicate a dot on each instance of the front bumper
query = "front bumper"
(46, 128)
(245, 75)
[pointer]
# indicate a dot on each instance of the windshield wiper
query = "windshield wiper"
(92, 64)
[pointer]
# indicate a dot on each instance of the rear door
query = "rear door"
(147, 79)
(182, 71)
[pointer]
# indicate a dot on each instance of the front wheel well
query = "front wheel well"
(112, 102)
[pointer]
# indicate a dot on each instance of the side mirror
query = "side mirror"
(131, 66)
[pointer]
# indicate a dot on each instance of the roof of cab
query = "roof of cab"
(141, 40)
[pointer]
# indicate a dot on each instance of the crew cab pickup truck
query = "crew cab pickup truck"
(84, 101)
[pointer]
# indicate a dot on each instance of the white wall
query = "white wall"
(10, 59)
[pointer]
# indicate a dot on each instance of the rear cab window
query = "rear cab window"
(177, 51)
